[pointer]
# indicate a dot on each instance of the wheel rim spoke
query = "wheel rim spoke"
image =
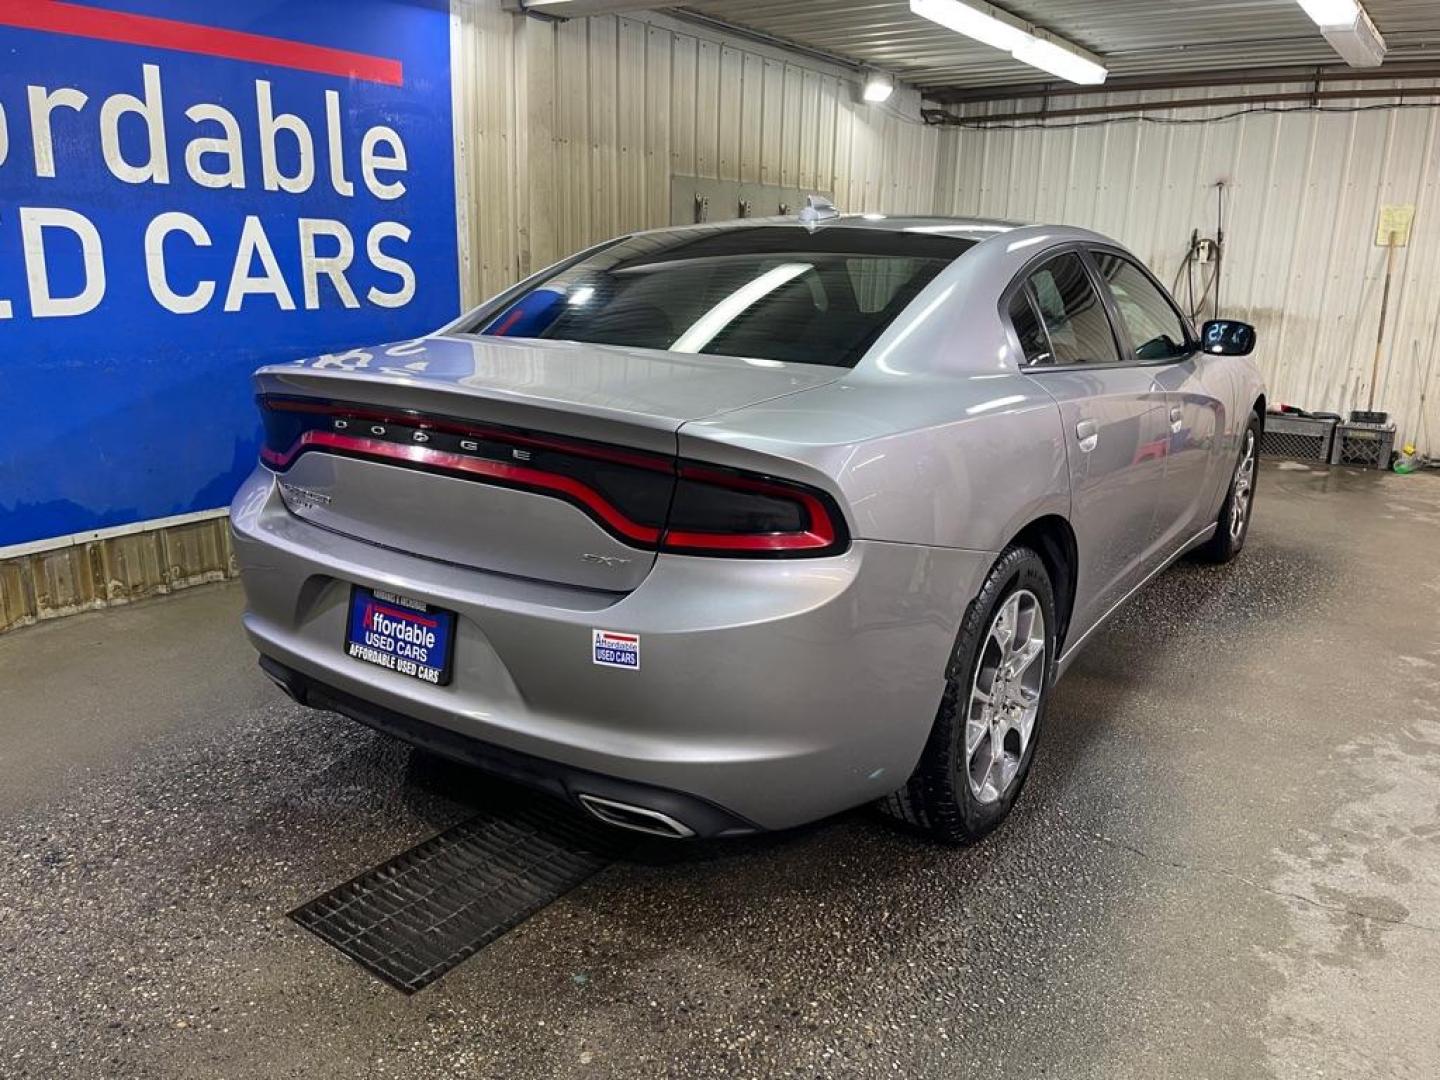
(1025, 657)
(974, 736)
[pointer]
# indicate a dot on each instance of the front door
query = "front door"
(1197, 425)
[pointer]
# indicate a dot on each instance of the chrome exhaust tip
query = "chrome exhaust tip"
(635, 818)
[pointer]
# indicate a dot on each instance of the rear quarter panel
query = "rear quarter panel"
(960, 461)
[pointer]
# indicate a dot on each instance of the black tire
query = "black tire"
(1227, 541)
(939, 798)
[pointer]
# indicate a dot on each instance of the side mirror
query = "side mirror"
(1226, 337)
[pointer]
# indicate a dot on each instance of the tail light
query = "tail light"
(646, 500)
(733, 513)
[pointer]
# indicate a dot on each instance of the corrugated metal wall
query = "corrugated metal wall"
(570, 132)
(1303, 197)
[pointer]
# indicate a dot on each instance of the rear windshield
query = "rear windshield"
(767, 292)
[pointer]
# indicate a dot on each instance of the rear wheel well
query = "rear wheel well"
(1052, 538)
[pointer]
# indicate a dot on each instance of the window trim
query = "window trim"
(1121, 337)
(1022, 281)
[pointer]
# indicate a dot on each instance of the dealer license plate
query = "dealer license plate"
(407, 636)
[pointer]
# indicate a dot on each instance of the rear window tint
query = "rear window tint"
(765, 292)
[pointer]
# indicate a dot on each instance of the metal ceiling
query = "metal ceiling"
(1135, 37)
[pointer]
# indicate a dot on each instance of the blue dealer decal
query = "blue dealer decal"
(610, 649)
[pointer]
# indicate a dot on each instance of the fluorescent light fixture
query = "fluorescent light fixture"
(1060, 62)
(1349, 31)
(733, 306)
(1331, 12)
(1028, 44)
(1360, 45)
(581, 296)
(878, 87)
(978, 21)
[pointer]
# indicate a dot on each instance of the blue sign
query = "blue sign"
(188, 191)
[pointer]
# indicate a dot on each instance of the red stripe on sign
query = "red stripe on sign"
(396, 613)
(80, 20)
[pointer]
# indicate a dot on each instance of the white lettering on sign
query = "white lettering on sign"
(270, 128)
(334, 145)
(130, 129)
(155, 233)
(402, 630)
(253, 242)
(157, 168)
(42, 104)
(390, 264)
(34, 220)
(382, 150)
(312, 265)
(372, 162)
(234, 174)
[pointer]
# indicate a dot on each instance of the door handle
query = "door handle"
(1177, 419)
(1088, 434)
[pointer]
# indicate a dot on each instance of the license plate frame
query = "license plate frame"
(418, 633)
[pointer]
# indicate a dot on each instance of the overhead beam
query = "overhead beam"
(959, 95)
(1305, 97)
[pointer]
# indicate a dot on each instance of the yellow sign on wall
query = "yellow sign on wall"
(1395, 218)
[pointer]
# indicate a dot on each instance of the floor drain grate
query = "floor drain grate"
(413, 918)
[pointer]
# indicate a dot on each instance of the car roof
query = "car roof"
(961, 228)
(977, 230)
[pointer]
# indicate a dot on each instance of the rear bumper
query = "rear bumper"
(769, 693)
(562, 781)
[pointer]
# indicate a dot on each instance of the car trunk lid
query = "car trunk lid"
(548, 460)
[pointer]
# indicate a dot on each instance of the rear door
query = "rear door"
(1115, 426)
(1154, 332)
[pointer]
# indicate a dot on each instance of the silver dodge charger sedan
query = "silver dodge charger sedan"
(725, 528)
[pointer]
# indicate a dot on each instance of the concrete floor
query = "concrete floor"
(1227, 863)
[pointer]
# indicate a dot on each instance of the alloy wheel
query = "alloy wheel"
(1244, 487)
(1005, 696)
